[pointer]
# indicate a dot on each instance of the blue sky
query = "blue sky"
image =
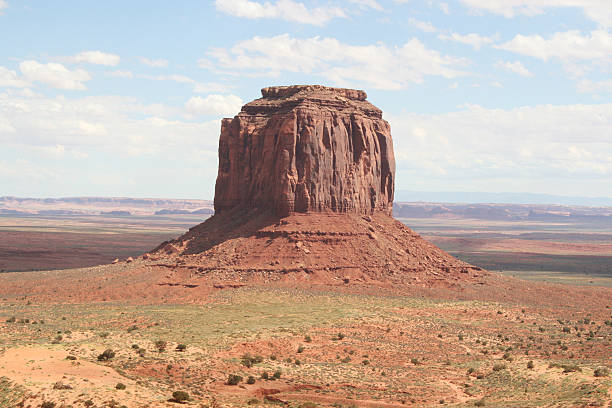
(121, 98)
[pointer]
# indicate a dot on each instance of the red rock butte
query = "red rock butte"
(306, 148)
(305, 193)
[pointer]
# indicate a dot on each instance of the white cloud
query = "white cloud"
(3, 5)
(121, 74)
(155, 63)
(9, 79)
(425, 26)
(596, 87)
(487, 148)
(284, 9)
(120, 126)
(376, 66)
(95, 57)
(367, 4)
(516, 67)
(226, 105)
(596, 10)
(473, 39)
(54, 74)
(568, 45)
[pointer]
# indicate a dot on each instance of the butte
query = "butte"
(304, 193)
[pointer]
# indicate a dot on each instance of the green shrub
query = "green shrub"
(264, 375)
(601, 372)
(307, 338)
(181, 347)
(11, 319)
(301, 349)
(161, 345)
(47, 404)
(250, 380)
(106, 355)
(277, 374)
(233, 379)
(120, 386)
(248, 360)
(499, 367)
(180, 396)
(71, 358)
(530, 365)
(338, 336)
(480, 403)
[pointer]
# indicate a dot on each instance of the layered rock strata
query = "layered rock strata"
(306, 149)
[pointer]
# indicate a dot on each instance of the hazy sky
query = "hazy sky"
(123, 98)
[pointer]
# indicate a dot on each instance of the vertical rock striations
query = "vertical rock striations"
(304, 196)
(310, 148)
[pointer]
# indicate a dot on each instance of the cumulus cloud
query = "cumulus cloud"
(10, 79)
(529, 148)
(226, 105)
(516, 67)
(284, 9)
(155, 63)
(588, 86)
(112, 124)
(95, 57)
(473, 39)
(54, 74)
(376, 66)
(425, 26)
(568, 45)
(596, 10)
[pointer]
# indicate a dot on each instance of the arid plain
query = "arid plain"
(499, 342)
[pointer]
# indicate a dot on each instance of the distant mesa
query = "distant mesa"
(116, 212)
(184, 212)
(304, 193)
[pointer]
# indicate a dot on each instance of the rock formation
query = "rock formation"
(304, 193)
(306, 149)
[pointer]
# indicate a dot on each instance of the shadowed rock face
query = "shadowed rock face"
(306, 149)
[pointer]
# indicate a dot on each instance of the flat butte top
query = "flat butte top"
(280, 99)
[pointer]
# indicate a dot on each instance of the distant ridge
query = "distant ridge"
(109, 206)
(499, 198)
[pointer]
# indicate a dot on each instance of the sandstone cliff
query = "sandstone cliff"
(306, 149)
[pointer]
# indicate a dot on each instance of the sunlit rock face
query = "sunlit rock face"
(306, 148)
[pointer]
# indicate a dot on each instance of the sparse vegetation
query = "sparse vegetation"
(180, 396)
(106, 355)
(233, 379)
(161, 345)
